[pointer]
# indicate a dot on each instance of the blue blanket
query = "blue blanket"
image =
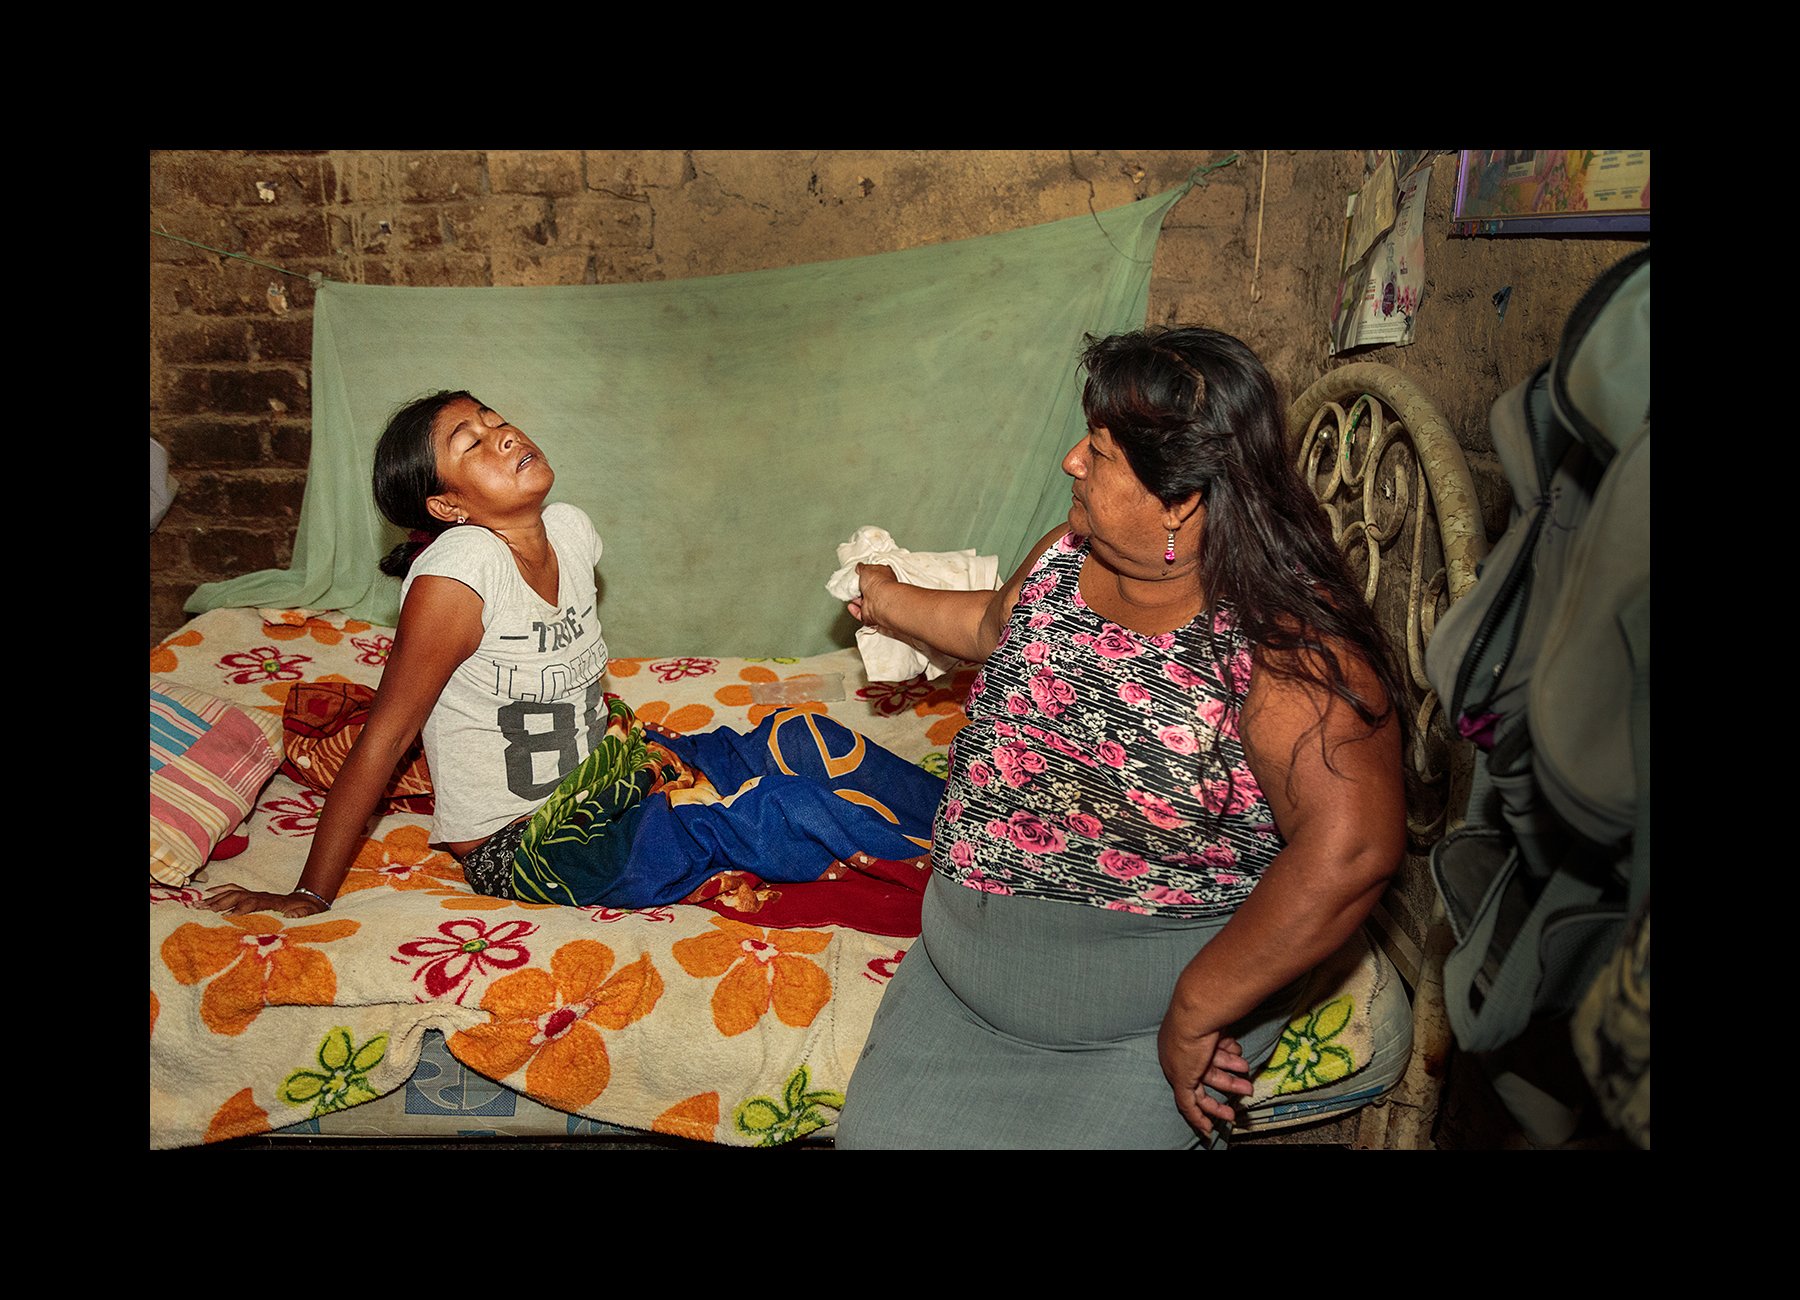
(647, 820)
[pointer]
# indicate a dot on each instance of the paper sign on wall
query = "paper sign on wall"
(1378, 296)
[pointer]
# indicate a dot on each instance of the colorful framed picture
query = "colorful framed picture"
(1551, 191)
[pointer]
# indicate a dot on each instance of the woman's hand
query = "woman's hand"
(1192, 1062)
(235, 900)
(962, 624)
(873, 582)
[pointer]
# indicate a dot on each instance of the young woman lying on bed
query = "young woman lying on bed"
(547, 789)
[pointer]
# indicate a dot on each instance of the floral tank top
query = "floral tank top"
(1104, 767)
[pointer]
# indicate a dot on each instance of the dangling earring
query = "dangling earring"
(1169, 554)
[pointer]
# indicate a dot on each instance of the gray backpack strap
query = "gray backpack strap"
(1529, 938)
(1634, 622)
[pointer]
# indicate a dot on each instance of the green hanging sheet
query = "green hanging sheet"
(726, 433)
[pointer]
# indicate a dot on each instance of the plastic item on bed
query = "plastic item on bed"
(162, 486)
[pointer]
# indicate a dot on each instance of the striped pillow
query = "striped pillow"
(209, 759)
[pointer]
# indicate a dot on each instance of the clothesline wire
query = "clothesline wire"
(1197, 176)
(1262, 194)
(315, 276)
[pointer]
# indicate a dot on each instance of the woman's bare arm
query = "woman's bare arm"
(1345, 827)
(965, 624)
(440, 626)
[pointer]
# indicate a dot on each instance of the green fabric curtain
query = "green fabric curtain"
(726, 433)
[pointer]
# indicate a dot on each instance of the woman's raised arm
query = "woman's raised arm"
(962, 623)
(440, 626)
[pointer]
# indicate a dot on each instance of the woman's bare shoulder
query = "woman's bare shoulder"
(1036, 553)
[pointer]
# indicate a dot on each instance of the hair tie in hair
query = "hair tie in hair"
(419, 536)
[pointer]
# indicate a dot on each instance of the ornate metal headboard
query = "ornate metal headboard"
(1402, 504)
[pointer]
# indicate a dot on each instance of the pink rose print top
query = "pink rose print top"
(1104, 767)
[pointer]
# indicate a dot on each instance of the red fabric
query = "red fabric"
(874, 895)
(230, 847)
(321, 721)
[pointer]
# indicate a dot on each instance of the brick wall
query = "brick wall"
(230, 341)
(1252, 251)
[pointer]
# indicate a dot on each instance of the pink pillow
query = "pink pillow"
(209, 759)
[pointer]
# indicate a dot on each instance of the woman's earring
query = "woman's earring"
(463, 519)
(1169, 554)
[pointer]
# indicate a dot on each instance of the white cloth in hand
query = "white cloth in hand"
(892, 659)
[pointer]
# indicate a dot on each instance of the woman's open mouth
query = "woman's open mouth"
(526, 459)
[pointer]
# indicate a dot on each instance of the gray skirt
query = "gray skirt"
(1016, 1023)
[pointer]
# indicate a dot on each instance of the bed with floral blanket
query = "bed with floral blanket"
(416, 1007)
(685, 1020)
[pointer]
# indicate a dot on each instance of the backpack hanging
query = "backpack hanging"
(1545, 667)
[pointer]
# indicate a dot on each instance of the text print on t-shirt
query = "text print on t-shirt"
(540, 725)
(540, 737)
(554, 636)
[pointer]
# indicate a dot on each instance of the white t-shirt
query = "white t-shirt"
(525, 709)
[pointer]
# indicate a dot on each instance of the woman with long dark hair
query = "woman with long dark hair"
(1179, 789)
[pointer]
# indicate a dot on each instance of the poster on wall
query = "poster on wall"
(1378, 293)
(1372, 210)
(1551, 191)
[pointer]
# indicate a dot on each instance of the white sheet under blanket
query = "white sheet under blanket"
(893, 659)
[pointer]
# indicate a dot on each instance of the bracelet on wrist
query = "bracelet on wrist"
(320, 899)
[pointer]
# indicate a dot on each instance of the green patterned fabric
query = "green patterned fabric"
(726, 433)
(591, 804)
